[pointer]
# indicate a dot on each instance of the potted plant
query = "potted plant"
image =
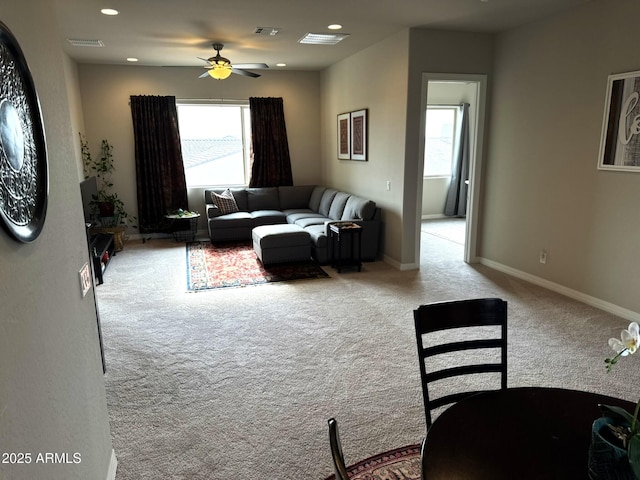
(616, 436)
(106, 203)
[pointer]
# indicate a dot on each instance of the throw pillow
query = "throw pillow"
(225, 201)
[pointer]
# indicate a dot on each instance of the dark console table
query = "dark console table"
(102, 249)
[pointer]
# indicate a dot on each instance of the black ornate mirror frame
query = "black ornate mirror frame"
(24, 175)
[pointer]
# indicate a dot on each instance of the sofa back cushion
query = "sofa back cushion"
(296, 196)
(262, 199)
(358, 209)
(326, 200)
(316, 196)
(337, 206)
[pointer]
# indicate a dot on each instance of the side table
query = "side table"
(345, 236)
(118, 234)
(184, 226)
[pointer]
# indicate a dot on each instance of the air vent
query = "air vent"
(267, 31)
(78, 42)
(323, 38)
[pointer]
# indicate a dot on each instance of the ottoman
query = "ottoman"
(281, 243)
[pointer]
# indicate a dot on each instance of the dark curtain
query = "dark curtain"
(159, 168)
(271, 165)
(456, 204)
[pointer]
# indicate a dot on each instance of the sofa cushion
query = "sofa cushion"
(316, 196)
(296, 196)
(325, 202)
(231, 220)
(225, 202)
(358, 209)
(337, 206)
(262, 199)
(318, 236)
(293, 216)
(307, 221)
(268, 217)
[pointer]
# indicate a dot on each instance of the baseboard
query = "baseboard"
(434, 216)
(561, 289)
(113, 466)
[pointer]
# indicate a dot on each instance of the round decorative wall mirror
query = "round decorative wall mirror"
(24, 175)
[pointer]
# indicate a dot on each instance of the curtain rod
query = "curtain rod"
(203, 100)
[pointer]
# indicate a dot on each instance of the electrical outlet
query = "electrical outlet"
(85, 279)
(543, 256)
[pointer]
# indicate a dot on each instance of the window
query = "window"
(215, 143)
(439, 140)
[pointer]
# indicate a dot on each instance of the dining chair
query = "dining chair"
(336, 451)
(466, 316)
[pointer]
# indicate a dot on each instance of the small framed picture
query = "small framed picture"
(344, 136)
(359, 135)
(620, 138)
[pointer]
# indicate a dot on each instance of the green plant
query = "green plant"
(102, 168)
(628, 432)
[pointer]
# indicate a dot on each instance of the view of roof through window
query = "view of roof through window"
(214, 143)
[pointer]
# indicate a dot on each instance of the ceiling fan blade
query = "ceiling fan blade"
(205, 74)
(251, 65)
(246, 73)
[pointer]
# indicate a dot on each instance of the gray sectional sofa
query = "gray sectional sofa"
(309, 206)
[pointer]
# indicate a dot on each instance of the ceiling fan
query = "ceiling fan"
(220, 67)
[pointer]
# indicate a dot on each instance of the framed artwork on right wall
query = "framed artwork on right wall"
(620, 138)
(344, 136)
(359, 135)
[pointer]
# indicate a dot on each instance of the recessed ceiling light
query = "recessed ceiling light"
(132, 59)
(281, 64)
(334, 26)
(109, 11)
(323, 38)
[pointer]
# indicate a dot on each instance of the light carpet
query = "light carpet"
(236, 265)
(239, 383)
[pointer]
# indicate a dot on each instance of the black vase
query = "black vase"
(607, 461)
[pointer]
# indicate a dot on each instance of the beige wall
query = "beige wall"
(106, 90)
(359, 82)
(543, 190)
(394, 96)
(52, 397)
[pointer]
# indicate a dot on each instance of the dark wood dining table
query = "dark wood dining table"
(515, 434)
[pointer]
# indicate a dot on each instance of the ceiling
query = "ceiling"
(177, 32)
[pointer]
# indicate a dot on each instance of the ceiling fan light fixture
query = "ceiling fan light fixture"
(220, 71)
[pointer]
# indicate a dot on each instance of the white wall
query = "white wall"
(106, 90)
(543, 190)
(52, 396)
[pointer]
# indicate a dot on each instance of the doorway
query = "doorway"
(442, 90)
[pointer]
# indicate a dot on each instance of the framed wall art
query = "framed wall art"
(24, 175)
(359, 135)
(344, 136)
(620, 138)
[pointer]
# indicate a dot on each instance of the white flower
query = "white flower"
(629, 340)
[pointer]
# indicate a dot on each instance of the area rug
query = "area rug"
(211, 266)
(401, 463)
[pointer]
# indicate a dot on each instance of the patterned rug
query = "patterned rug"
(236, 265)
(399, 464)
